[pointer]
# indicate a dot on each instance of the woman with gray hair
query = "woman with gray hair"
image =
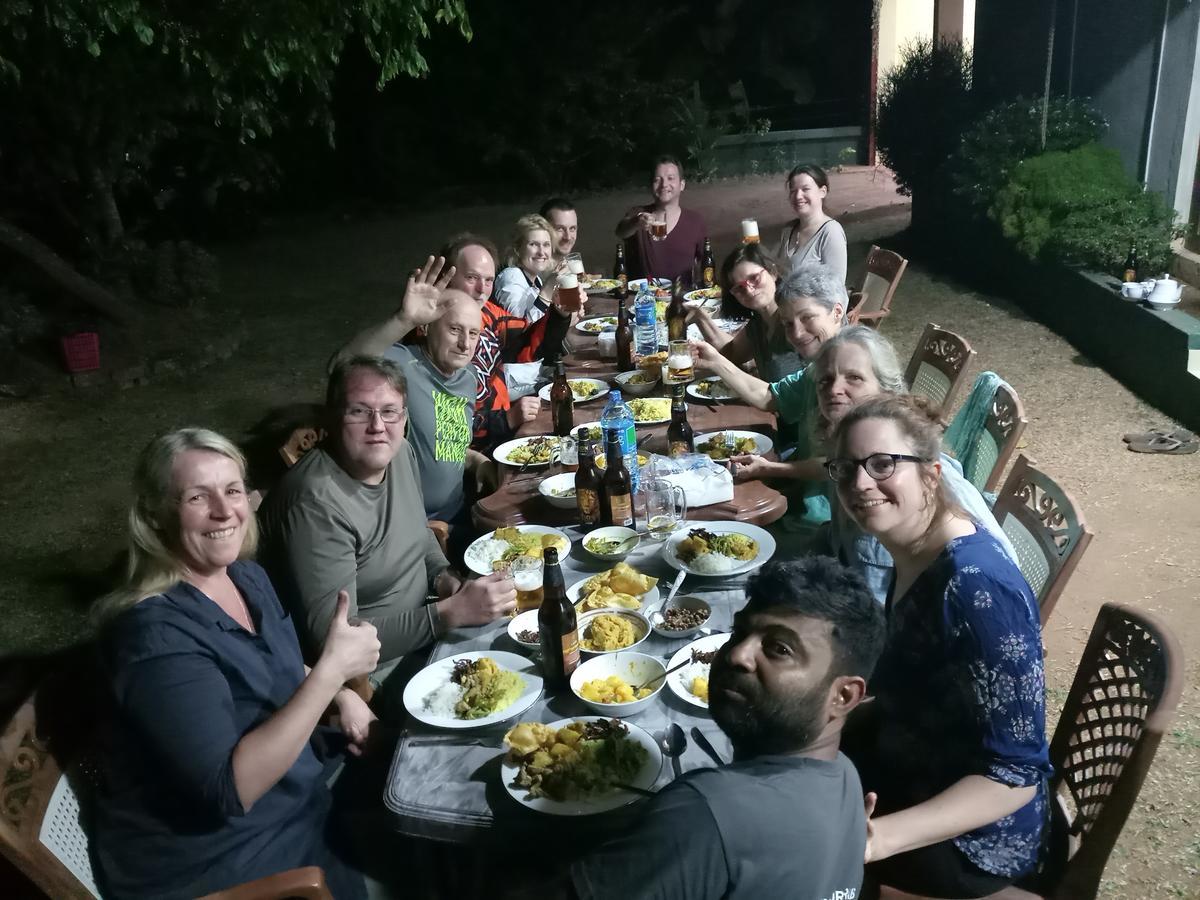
(212, 775)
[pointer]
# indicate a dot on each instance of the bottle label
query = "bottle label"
(678, 448)
(588, 502)
(621, 507)
(709, 279)
(570, 651)
(1130, 275)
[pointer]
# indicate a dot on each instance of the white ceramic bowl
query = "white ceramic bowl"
(632, 668)
(686, 602)
(640, 623)
(637, 389)
(558, 483)
(611, 532)
(526, 621)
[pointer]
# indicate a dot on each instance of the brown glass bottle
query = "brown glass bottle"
(680, 438)
(558, 629)
(1131, 265)
(562, 402)
(624, 335)
(587, 482)
(677, 314)
(619, 271)
(708, 272)
(616, 502)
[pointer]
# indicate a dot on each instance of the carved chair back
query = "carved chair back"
(997, 441)
(939, 366)
(874, 294)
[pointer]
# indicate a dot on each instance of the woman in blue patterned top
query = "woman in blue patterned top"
(953, 752)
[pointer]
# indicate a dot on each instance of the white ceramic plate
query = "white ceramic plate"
(436, 674)
(703, 296)
(644, 778)
(593, 325)
(766, 546)
(658, 421)
(600, 285)
(526, 621)
(722, 393)
(474, 557)
(503, 453)
(762, 443)
(574, 593)
(636, 284)
(678, 681)
(601, 390)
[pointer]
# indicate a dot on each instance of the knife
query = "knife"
(704, 744)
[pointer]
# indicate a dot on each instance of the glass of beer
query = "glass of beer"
(749, 231)
(666, 507)
(569, 293)
(575, 265)
(658, 225)
(679, 363)
(527, 576)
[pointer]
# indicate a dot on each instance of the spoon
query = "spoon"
(674, 588)
(673, 742)
(687, 662)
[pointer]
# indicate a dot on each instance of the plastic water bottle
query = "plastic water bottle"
(645, 318)
(618, 417)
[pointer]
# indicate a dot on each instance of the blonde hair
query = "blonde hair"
(153, 566)
(525, 226)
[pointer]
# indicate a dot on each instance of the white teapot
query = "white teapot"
(1165, 291)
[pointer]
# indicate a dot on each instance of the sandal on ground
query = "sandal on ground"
(1179, 434)
(1161, 443)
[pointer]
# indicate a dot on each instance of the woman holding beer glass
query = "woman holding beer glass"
(526, 287)
(812, 236)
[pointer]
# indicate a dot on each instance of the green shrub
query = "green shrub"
(1079, 207)
(925, 102)
(990, 149)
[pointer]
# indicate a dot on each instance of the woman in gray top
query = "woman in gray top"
(812, 236)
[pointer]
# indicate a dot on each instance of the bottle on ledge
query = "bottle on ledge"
(587, 482)
(562, 402)
(677, 314)
(680, 438)
(619, 271)
(624, 336)
(616, 507)
(708, 272)
(558, 629)
(1131, 265)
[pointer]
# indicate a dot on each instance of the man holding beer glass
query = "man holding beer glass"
(662, 239)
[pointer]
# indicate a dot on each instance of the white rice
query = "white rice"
(483, 553)
(712, 564)
(442, 699)
(687, 675)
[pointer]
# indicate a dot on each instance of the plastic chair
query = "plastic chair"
(1046, 528)
(884, 269)
(939, 366)
(1122, 700)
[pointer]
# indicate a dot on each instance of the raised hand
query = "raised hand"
(350, 650)
(423, 301)
(705, 355)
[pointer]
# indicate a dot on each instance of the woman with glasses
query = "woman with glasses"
(212, 773)
(812, 236)
(953, 751)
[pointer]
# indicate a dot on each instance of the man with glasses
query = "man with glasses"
(350, 516)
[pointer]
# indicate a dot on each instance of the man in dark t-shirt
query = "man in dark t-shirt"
(785, 818)
(672, 256)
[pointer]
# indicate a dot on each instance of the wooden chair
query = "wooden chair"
(48, 784)
(939, 366)
(1046, 528)
(985, 457)
(1126, 688)
(874, 294)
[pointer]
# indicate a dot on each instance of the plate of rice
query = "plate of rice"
(690, 683)
(473, 689)
(719, 549)
(512, 541)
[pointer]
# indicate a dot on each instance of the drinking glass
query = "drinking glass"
(568, 292)
(679, 363)
(568, 454)
(658, 225)
(527, 576)
(750, 231)
(575, 264)
(666, 507)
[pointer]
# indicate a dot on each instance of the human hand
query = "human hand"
(423, 302)
(479, 602)
(524, 410)
(355, 718)
(350, 650)
(705, 355)
(871, 851)
(747, 467)
(487, 477)
(644, 219)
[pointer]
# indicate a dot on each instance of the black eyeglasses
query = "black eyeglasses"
(879, 466)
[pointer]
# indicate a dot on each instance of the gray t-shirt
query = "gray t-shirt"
(773, 826)
(440, 411)
(827, 246)
(324, 531)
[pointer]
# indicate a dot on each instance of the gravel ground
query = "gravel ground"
(307, 285)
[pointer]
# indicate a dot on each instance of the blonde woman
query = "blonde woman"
(526, 286)
(211, 774)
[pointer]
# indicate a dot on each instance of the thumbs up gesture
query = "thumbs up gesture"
(351, 649)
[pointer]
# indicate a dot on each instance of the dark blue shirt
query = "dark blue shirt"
(188, 682)
(961, 691)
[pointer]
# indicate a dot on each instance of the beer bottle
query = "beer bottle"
(562, 402)
(619, 271)
(677, 314)
(587, 482)
(616, 506)
(624, 334)
(1131, 264)
(680, 439)
(708, 272)
(558, 631)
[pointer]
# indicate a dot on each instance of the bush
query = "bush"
(1078, 207)
(990, 150)
(924, 104)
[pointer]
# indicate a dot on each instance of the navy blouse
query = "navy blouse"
(961, 691)
(188, 682)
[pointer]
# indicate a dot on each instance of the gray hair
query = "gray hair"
(884, 362)
(813, 281)
(152, 566)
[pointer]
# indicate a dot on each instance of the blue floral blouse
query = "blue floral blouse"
(961, 688)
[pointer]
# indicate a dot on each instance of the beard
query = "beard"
(759, 722)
